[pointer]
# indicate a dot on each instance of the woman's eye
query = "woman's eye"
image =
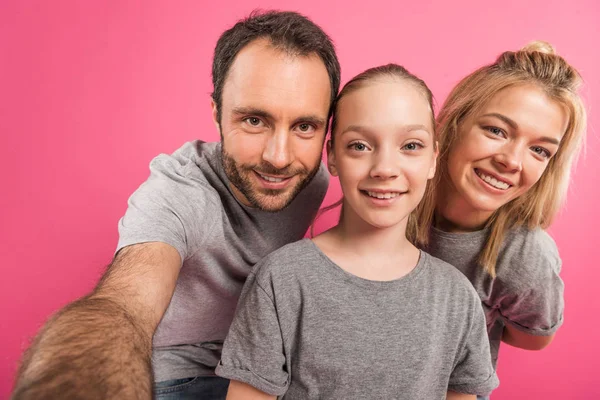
(495, 131)
(541, 151)
(413, 146)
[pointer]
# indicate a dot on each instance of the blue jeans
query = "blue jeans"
(200, 387)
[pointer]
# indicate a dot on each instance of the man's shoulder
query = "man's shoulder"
(188, 169)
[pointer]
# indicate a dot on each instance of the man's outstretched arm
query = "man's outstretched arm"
(100, 346)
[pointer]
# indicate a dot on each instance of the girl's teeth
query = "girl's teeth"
(378, 195)
(270, 179)
(493, 181)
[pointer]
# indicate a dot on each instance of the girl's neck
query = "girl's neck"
(364, 239)
(379, 254)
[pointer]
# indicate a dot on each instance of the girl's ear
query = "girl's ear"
(331, 159)
(434, 165)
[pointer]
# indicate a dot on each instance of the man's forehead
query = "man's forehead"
(272, 80)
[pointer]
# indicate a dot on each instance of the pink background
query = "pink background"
(91, 91)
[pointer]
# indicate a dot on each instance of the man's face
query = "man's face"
(273, 119)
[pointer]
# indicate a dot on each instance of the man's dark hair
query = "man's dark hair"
(289, 31)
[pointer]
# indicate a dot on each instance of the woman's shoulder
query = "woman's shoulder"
(535, 242)
(528, 255)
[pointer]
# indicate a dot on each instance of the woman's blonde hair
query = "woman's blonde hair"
(535, 64)
(389, 71)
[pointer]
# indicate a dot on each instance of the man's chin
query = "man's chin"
(272, 202)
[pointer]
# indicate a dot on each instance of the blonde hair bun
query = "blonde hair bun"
(539, 46)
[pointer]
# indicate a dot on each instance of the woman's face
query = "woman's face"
(503, 150)
(383, 152)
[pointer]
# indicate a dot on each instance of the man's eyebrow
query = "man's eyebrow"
(310, 119)
(257, 112)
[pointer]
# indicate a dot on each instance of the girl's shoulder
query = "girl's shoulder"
(287, 260)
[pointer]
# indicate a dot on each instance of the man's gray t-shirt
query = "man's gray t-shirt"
(187, 203)
(526, 293)
(307, 329)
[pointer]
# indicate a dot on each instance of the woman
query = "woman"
(508, 135)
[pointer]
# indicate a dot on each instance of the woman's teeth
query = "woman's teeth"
(493, 181)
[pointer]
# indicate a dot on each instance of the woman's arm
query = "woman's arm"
(459, 396)
(242, 391)
(522, 340)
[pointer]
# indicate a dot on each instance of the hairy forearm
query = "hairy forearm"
(92, 349)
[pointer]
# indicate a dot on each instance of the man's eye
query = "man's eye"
(304, 127)
(253, 121)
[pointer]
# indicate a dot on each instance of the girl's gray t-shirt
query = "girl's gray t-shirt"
(307, 329)
(526, 293)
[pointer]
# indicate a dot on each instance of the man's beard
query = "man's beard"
(265, 199)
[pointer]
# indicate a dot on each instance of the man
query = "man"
(195, 228)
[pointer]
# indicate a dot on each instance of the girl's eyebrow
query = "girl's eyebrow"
(365, 130)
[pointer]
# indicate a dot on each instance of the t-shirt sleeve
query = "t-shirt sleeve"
(531, 297)
(473, 372)
(253, 351)
(170, 208)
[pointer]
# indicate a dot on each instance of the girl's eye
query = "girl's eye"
(541, 151)
(358, 146)
(412, 146)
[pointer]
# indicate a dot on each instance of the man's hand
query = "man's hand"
(100, 346)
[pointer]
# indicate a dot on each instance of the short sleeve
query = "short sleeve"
(532, 299)
(170, 208)
(253, 351)
(473, 372)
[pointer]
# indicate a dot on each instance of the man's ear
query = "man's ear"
(215, 115)
(331, 159)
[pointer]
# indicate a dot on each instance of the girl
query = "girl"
(509, 133)
(359, 311)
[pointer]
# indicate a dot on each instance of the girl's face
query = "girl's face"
(502, 151)
(383, 151)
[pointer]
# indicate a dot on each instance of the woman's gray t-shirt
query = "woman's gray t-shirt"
(526, 293)
(307, 329)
